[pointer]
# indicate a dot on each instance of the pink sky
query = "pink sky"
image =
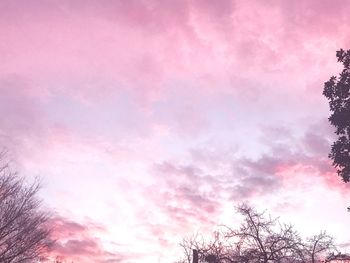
(150, 120)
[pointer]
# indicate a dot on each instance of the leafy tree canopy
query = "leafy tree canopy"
(337, 91)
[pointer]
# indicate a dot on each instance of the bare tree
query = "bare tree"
(259, 239)
(218, 249)
(264, 239)
(319, 246)
(24, 230)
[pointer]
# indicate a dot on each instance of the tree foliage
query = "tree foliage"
(337, 91)
(24, 232)
(259, 239)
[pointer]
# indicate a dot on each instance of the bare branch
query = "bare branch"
(259, 239)
(24, 230)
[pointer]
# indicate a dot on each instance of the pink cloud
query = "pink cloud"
(160, 44)
(80, 242)
(145, 46)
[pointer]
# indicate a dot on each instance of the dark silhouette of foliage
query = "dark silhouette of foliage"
(259, 239)
(337, 91)
(24, 232)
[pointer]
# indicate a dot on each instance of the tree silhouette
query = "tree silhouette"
(24, 232)
(337, 91)
(259, 239)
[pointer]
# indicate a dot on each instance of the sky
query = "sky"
(150, 120)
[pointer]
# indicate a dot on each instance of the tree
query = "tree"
(259, 239)
(337, 91)
(319, 245)
(24, 230)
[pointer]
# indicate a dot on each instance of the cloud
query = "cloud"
(144, 45)
(80, 242)
(21, 105)
(140, 54)
(287, 160)
(189, 194)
